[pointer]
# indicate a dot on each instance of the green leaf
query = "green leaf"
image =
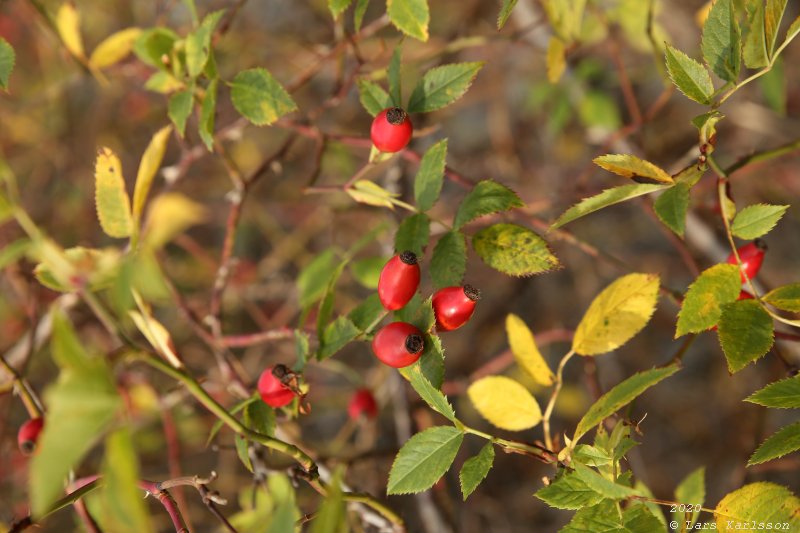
(417, 312)
(618, 313)
(259, 417)
(337, 7)
(208, 110)
(431, 362)
(153, 45)
(179, 109)
(505, 13)
(393, 74)
(148, 166)
(359, 12)
(449, 260)
(755, 44)
(568, 492)
(757, 220)
(336, 336)
(702, 305)
(241, 445)
(313, 279)
(772, 23)
(604, 199)
(639, 518)
(410, 16)
(745, 333)
(793, 31)
(514, 250)
(601, 517)
(430, 394)
(7, 60)
(691, 491)
(372, 96)
(163, 83)
(485, 198)
(367, 312)
(441, 86)
(605, 487)
(413, 234)
(780, 443)
(233, 410)
(123, 508)
(706, 125)
(620, 396)
(786, 298)
(783, 394)
(630, 166)
(759, 503)
(476, 469)
(423, 459)
(428, 183)
(691, 175)
(259, 98)
(588, 455)
(198, 44)
(722, 43)
(111, 198)
(671, 207)
(13, 252)
(690, 77)
(332, 514)
(367, 271)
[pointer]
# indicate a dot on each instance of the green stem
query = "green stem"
(548, 441)
(508, 444)
(369, 501)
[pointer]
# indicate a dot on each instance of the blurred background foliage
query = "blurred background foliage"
(513, 126)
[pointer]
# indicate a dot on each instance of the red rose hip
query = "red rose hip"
(271, 388)
(391, 130)
(399, 281)
(28, 435)
(453, 306)
(362, 404)
(751, 255)
(398, 344)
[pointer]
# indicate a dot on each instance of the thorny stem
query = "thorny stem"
(548, 441)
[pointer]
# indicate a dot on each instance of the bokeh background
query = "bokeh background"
(512, 126)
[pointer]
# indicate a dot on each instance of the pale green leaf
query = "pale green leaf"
(568, 492)
(367, 271)
(745, 333)
(755, 52)
(208, 111)
(423, 459)
(773, 13)
(505, 403)
(14, 251)
(179, 108)
(370, 193)
(111, 198)
(7, 59)
(97, 268)
(505, 13)
(525, 351)
(476, 469)
(332, 514)
(163, 82)
(259, 98)
(372, 96)
(336, 336)
(785, 440)
(410, 17)
(786, 297)
(441, 86)
(757, 220)
(604, 199)
(783, 394)
(702, 305)
(760, 503)
(153, 45)
(620, 396)
(514, 250)
(689, 76)
(114, 48)
(605, 487)
(691, 491)
(198, 44)
(413, 234)
(630, 166)
(148, 166)
(428, 182)
(314, 277)
(337, 7)
(722, 43)
(359, 12)
(671, 207)
(485, 198)
(123, 508)
(393, 73)
(449, 260)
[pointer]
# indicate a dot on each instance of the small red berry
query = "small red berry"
(28, 435)
(453, 306)
(271, 388)
(391, 130)
(398, 344)
(362, 404)
(399, 281)
(752, 255)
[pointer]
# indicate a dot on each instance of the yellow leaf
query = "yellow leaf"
(114, 48)
(525, 351)
(367, 192)
(68, 22)
(156, 334)
(169, 215)
(111, 198)
(556, 60)
(151, 160)
(630, 166)
(505, 403)
(617, 314)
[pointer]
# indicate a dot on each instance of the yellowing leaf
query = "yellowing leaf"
(68, 22)
(114, 48)
(617, 314)
(505, 403)
(556, 61)
(96, 269)
(151, 160)
(367, 192)
(525, 351)
(630, 166)
(171, 214)
(157, 335)
(111, 198)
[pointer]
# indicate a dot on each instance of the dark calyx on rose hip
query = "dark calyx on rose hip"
(398, 344)
(399, 281)
(453, 306)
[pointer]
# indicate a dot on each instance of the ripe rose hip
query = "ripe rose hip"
(362, 404)
(399, 281)
(272, 390)
(398, 344)
(28, 435)
(453, 306)
(752, 255)
(391, 130)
